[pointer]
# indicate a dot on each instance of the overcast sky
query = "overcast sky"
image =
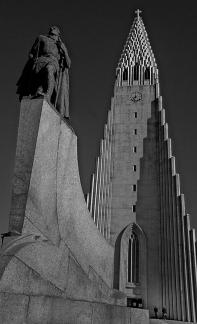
(95, 32)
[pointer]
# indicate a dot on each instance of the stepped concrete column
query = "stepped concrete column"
(192, 235)
(189, 268)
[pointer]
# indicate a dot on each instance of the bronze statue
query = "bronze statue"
(46, 72)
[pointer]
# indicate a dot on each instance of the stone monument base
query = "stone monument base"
(60, 269)
(23, 309)
(41, 283)
(161, 321)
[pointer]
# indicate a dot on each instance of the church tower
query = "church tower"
(135, 197)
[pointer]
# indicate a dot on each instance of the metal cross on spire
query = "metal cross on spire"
(138, 12)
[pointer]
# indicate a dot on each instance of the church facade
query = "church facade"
(125, 251)
(136, 200)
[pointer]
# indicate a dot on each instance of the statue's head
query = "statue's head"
(54, 30)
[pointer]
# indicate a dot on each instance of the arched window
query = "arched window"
(147, 74)
(125, 75)
(133, 259)
(136, 72)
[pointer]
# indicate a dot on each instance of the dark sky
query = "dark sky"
(95, 32)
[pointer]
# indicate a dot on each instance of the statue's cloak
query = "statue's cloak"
(31, 76)
(62, 104)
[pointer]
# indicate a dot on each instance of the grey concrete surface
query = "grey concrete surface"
(161, 321)
(60, 256)
(22, 309)
(29, 121)
(55, 208)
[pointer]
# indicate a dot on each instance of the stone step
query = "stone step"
(161, 321)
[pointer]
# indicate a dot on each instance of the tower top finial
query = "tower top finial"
(138, 12)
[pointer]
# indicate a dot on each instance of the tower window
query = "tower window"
(135, 114)
(135, 149)
(134, 187)
(135, 131)
(136, 72)
(147, 74)
(134, 167)
(133, 259)
(134, 208)
(125, 75)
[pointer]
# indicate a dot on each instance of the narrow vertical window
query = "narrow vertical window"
(134, 187)
(135, 149)
(134, 167)
(147, 74)
(133, 259)
(129, 262)
(125, 75)
(134, 208)
(135, 114)
(135, 131)
(136, 72)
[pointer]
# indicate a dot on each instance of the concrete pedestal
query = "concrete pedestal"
(60, 270)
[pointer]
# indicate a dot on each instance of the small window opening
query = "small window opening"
(135, 131)
(134, 302)
(134, 167)
(135, 114)
(134, 208)
(135, 149)
(134, 187)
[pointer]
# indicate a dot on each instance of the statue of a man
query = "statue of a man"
(46, 72)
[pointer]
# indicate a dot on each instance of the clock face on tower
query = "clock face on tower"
(136, 96)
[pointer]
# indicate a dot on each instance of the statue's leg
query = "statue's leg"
(50, 69)
(38, 80)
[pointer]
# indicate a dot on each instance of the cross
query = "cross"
(138, 12)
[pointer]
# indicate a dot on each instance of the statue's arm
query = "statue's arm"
(35, 48)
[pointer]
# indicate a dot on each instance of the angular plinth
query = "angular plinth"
(47, 198)
(29, 121)
(60, 253)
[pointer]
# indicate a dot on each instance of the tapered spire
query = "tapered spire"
(138, 12)
(137, 63)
